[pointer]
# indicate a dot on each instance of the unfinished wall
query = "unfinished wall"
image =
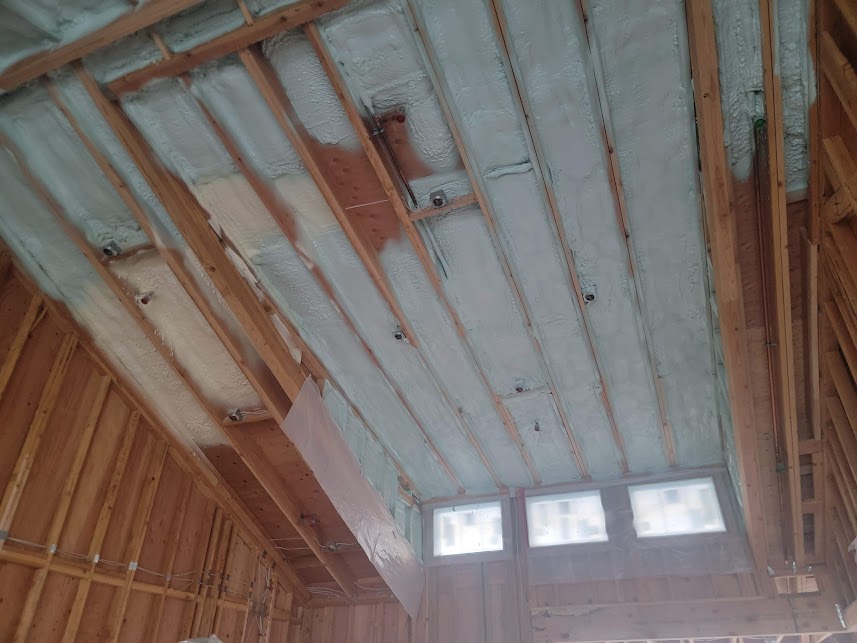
(837, 283)
(110, 528)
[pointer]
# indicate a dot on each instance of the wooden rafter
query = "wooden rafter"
(403, 214)
(720, 221)
(621, 209)
(288, 17)
(140, 18)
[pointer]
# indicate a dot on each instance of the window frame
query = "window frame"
(563, 495)
(432, 560)
(721, 509)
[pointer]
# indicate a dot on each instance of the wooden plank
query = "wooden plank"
(13, 491)
(35, 311)
(720, 220)
(139, 18)
(288, 17)
(841, 75)
(191, 219)
(402, 212)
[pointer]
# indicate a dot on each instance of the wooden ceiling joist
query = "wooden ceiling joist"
(288, 17)
(281, 107)
(285, 219)
(433, 70)
(191, 220)
(139, 18)
(720, 221)
(403, 214)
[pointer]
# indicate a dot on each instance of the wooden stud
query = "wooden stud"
(24, 464)
(34, 313)
(720, 220)
(41, 63)
(206, 575)
(403, 214)
(138, 531)
(73, 623)
(248, 17)
(288, 17)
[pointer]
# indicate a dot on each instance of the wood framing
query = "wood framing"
(137, 19)
(288, 17)
(83, 523)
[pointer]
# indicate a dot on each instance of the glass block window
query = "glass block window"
(676, 508)
(467, 529)
(566, 518)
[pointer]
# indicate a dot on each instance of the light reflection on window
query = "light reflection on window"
(466, 529)
(676, 508)
(566, 518)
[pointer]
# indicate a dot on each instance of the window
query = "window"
(676, 508)
(566, 518)
(466, 529)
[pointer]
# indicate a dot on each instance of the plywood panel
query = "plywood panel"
(12, 579)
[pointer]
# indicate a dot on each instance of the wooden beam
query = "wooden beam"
(138, 533)
(191, 219)
(76, 612)
(388, 184)
(37, 584)
(720, 220)
(138, 19)
(288, 17)
(35, 311)
(684, 620)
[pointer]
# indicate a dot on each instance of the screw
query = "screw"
(112, 249)
(235, 415)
